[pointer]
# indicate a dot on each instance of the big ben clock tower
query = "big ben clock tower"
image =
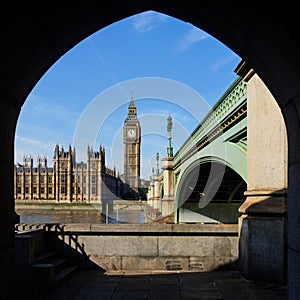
(132, 145)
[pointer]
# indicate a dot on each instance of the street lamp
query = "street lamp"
(157, 163)
(169, 129)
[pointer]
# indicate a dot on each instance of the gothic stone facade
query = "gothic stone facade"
(67, 180)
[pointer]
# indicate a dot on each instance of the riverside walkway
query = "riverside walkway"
(221, 285)
(136, 262)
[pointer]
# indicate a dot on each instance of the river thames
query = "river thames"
(48, 212)
(76, 216)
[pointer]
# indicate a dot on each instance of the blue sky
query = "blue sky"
(171, 67)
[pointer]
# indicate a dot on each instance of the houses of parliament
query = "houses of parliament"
(90, 181)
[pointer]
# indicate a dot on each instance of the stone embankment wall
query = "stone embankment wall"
(145, 247)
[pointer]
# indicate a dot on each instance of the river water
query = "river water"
(81, 216)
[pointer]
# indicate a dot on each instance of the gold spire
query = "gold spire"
(131, 100)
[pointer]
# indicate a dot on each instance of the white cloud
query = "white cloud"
(192, 36)
(222, 62)
(28, 146)
(43, 108)
(181, 118)
(147, 21)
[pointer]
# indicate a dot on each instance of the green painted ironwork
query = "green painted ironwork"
(227, 106)
(220, 137)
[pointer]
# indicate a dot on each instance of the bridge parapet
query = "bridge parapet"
(145, 247)
(217, 118)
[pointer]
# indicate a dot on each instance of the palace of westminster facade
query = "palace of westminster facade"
(89, 181)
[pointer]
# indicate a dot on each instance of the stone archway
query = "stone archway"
(34, 37)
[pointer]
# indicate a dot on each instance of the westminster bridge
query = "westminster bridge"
(266, 39)
(233, 169)
(227, 197)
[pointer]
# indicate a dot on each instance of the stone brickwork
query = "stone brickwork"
(199, 247)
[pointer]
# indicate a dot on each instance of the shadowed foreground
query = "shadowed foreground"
(223, 284)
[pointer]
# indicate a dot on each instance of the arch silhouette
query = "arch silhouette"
(33, 38)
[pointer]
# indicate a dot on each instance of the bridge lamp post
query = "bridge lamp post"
(167, 203)
(157, 163)
(169, 129)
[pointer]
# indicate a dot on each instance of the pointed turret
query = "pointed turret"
(131, 115)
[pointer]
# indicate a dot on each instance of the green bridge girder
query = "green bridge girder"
(218, 144)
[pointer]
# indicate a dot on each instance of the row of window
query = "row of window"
(63, 190)
(34, 179)
(34, 190)
(63, 179)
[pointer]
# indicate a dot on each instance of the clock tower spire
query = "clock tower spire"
(132, 145)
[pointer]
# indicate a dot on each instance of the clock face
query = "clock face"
(131, 133)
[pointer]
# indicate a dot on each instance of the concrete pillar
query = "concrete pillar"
(168, 198)
(8, 118)
(262, 243)
(293, 128)
(149, 194)
(155, 191)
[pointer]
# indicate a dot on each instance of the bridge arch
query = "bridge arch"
(269, 44)
(214, 173)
